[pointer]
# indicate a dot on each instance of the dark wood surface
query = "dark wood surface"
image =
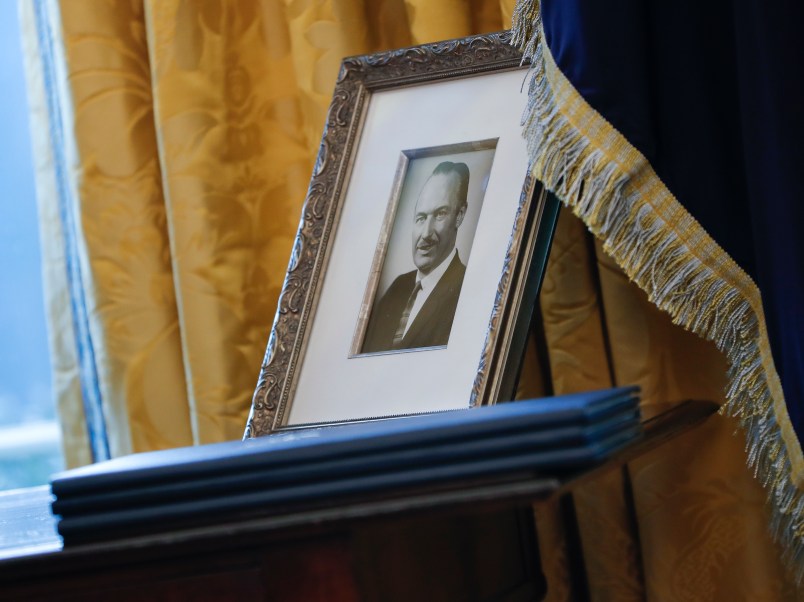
(467, 542)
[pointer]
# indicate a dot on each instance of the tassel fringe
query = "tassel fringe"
(610, 197)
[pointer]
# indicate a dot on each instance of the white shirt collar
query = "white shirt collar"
(428, 283)
(430, 280)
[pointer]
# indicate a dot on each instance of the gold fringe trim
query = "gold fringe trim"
(606, 182)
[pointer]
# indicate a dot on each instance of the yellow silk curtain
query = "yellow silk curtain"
(191, 130)
(701, 526)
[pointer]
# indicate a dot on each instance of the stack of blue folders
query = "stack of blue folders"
(315, 467)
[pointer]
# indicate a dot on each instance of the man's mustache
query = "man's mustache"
(426, 243)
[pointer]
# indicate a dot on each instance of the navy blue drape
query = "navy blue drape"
(712, 94)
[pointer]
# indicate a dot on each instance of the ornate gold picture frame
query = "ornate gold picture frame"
(421, 245)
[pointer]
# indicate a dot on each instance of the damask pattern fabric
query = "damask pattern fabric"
(701, 529)
(191, 127)
(194, 128)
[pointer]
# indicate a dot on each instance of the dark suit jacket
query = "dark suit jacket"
(430, 327)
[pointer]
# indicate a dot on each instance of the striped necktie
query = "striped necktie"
(403, 319)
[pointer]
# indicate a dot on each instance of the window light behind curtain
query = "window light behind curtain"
(174, 142)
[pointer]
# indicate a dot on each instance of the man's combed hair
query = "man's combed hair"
(457, 169)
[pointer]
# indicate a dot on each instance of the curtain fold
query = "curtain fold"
(111, 202)
(234, 165)
(686, 522)
(61, 333)
(189, 131)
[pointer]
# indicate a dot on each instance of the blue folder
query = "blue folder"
(153, 490)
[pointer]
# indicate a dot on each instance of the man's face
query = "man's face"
(435, 222)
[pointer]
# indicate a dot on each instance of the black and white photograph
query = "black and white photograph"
(434, 215)
(409, 280)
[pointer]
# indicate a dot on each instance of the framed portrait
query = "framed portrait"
(421, 244)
